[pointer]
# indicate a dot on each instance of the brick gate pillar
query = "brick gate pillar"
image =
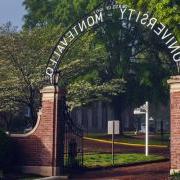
(174, 83)
(40, 151)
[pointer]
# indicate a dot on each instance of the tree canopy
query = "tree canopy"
(119, 61)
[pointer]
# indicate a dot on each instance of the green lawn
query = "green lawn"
(105, 160)
(133, 139)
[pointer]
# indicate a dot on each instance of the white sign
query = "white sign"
(139, 111)
(113, 127)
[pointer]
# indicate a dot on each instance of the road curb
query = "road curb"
(127, 165)
(54, 178)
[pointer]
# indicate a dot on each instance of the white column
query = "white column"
(89, 116)
(79, 116)
(109, 113)
(99, 115)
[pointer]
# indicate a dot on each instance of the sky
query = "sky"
(12, 10)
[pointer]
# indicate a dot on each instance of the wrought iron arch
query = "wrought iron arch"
(72, 131)
(52, 79)
(103, 9)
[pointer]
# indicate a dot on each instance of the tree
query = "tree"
(81, 73)
(23, 59)
(56, 12)
(166, 11)
(135, 56)
(39, 13)
(65, 12)
(131, 52)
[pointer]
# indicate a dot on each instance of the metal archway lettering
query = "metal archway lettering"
(100, 15)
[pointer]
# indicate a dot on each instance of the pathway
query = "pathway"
(153, 171)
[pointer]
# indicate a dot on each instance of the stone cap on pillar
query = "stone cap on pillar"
(174, 83)
(49, 92)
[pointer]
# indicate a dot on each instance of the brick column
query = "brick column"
(40, 151)
(174, 83)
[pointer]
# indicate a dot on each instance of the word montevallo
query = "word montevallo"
(97, 18)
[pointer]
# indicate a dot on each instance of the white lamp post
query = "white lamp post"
(151, 119)
(147, 128)
(144, 109)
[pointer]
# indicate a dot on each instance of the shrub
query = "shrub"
(5, 151)
(175, 176)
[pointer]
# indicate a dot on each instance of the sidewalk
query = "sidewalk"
(154, 171)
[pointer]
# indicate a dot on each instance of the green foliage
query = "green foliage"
(165, 11)
(6, 155)
(105, 57)
(63, 12)
(81, 73)
(40, 13)
(23, 57)
(175, 176)
(97, 65)
(82, 92)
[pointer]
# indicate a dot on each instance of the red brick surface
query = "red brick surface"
(175, 130)
(39, 148)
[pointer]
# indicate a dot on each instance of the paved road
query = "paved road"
(154, 171)
(93, 146)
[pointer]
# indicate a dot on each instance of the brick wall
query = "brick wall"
(175, 123)
(175, 130)
(41, 147)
